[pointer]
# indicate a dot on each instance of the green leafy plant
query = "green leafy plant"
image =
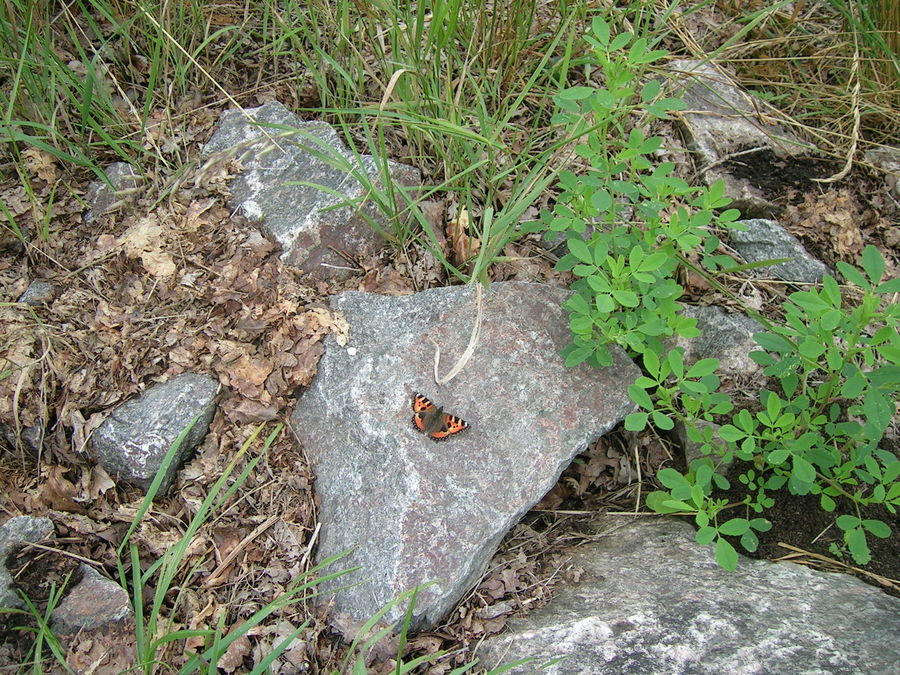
(835, 363)
(626, 291)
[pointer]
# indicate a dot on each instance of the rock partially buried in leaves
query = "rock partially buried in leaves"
(134, 440)
(767, 240)
(723, 122)
(124, 184)
(18, 530)
(95, 603)
(284, 160)
(651, 600)
(418, 511)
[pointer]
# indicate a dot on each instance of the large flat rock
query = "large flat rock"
(419, 511)
(653, 601)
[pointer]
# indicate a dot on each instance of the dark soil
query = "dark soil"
(800, 522)
(774, 176)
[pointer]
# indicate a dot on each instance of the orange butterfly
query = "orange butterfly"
(433, 421)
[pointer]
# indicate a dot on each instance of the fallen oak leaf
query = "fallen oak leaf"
(58, 492)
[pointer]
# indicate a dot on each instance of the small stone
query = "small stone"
(134, 440)
(767, 240)
(103, 198)
(94, 604)
(18, 530)
(38, 293)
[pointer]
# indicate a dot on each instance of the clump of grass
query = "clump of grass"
(830, 68)
(461, 90)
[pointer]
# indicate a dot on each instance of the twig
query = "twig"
(215, 578)
(310, 546)
(884, 581)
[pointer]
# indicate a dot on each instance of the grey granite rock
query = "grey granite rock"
(284, 160)
(38, 293)
(420, 511)
(123, 184)
(134, 440)
(653, 601)
(94, 604)
(721, 122)
(17, 530)
(767, 240)
(726, 336)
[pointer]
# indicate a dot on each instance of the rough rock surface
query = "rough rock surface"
(418, 510)
(38, 293)
(124, 182)
(726, 336)
(721, 121)
(887, 159)
(653, 601)
(134, 440)
(24, 439)
(95, 603)
(310, 224)
(767, 240)
(18, 530)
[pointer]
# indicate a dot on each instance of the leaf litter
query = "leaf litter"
(160, 288)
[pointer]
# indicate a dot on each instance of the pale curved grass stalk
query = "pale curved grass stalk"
(854, 135)
(470, 349)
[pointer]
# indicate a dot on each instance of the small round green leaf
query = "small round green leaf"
(636, 421)
(878, 528)
(848, 522)
(735, 527)
(705, 535)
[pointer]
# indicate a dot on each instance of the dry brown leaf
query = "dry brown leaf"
(158, 263)
(246, 411)
(386, 281)
(144, 235)
(462, 244)
(98, 653)
(233, 658)
(58, 491)
(100, 482)
(194, 216)
(247, 373)
(41, 163)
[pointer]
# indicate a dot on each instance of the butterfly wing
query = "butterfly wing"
(452, 425)
(421, 403)
(431, 420)
(423, 410)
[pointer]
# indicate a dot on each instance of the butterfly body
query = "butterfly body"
(432, 421)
